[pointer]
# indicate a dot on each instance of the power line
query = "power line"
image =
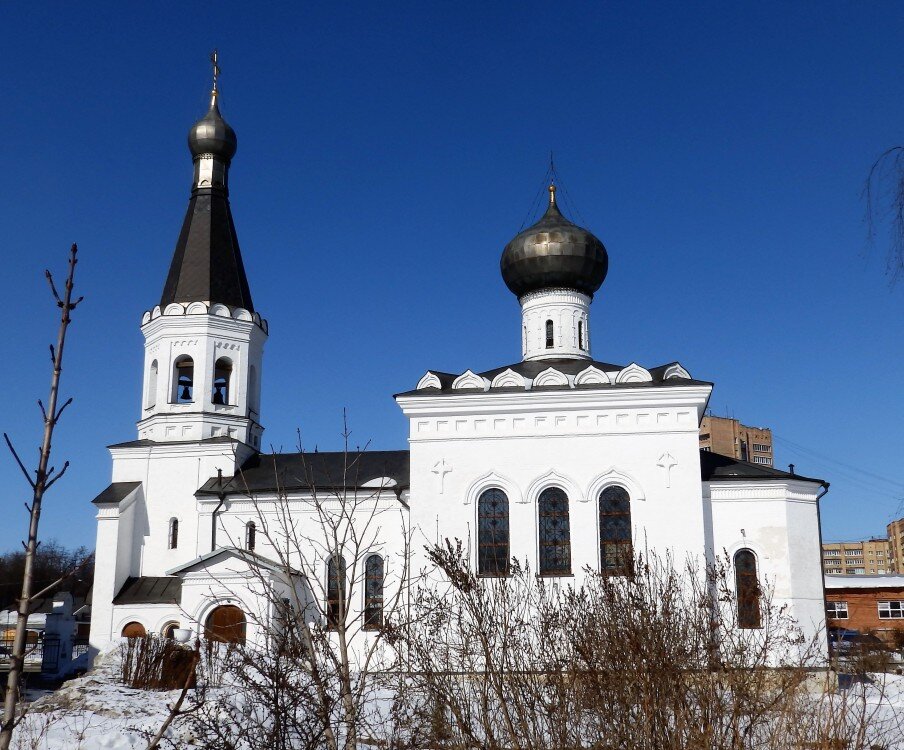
(835, 461)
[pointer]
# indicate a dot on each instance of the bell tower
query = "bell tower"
(204, 342)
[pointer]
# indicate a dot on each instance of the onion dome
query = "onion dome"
(554, 252)
(212, 134)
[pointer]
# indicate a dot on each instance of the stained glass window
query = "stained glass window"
(373, 593)
(747, 589)
(493, 533)
(616, 550)
(335, 591)
(555, 532)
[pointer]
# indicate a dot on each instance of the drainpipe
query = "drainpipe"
(822, 574)
(213, 517)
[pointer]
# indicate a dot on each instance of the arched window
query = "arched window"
(373, 593)
(183, 380)
(134, 630)
(335, 591)
(222, 377)
(169, 630)
(580, 334)
(549, 337)
(616, 550)
(555, 532)
(173, 533)
(493, 533)
(226, 624)
(250, 535)
(151, 398)
(747, 589)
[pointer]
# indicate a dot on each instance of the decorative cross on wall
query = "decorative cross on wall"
(667, 461)
(441, 468)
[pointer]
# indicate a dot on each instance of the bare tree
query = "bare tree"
(45, 476)
(654, 659)
(884, 197)
(313, 678)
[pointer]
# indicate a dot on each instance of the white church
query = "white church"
(559, 460)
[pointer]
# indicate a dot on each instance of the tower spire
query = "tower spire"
(207, 265)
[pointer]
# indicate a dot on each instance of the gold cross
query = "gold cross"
(216, 68)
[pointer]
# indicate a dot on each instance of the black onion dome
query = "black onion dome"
(212, 135)
(554, 252)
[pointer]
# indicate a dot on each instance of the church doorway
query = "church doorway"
(226, 624)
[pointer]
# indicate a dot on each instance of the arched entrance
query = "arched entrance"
(225, 624)
(134, 630)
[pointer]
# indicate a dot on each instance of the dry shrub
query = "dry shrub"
(155, 663)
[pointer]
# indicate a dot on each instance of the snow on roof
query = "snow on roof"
(864, 581)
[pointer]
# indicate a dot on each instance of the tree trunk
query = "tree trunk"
(43, 480)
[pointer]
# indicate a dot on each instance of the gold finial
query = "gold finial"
(552, 194)
(214, 60)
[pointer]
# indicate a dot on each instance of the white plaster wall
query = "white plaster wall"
(778, 521)
(578, 443)
(565, 308)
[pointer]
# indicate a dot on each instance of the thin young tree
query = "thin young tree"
(45, 476)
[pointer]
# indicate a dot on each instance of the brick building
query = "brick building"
(731, 438)
(870, 557)
(896, 545)
(870, 604)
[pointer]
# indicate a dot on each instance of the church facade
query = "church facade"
(559, 460)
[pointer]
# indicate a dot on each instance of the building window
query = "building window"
(747, 589)
(335, 592)
(173, 533)
(151, 399)
(183, 380)
(837, 610)
(373, 593)
(555, 533)
(549, 341)
(222, 376)
(761, 448)
(493, 533)
(616, 551)
(762, 460)
(250, 535)
(580, 334)
(891, 610)
(134, 630)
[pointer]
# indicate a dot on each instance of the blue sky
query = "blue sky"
(387, 152)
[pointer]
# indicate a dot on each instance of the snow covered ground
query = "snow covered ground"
(95, 712)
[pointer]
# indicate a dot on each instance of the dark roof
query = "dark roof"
(116, 492)
(321, 470)
(207, 265)
(715, 466)
(144, 442)
(150, 590)
(567, 365)
(554, 252)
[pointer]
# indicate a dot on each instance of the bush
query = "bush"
(154, 663)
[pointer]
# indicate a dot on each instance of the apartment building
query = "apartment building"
(896, 545)
(731, 438)
(869, 557)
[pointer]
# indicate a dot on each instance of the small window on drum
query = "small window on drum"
(549, 334)
(581, 334)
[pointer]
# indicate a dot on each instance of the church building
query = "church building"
(562, 461)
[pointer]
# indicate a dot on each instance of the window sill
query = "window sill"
(494, 575)
(555, 575)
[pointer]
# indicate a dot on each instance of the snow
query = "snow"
(96, 712)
